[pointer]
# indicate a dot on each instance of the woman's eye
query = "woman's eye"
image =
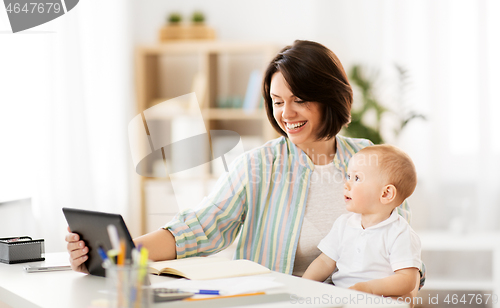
(300, 102)
(348, 177)
(357, 178)
(277, 103)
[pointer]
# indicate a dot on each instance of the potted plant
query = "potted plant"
(198, 18)
(370, 104)
(173, 29)
(196, 30)
(174, 19)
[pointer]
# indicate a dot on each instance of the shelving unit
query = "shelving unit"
(169, 70)
(487, 243)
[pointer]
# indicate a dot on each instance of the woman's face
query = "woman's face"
(300, 120)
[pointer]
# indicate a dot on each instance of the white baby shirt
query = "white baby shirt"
(371, 253)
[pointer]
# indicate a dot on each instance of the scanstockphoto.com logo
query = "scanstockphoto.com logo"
(27, 14)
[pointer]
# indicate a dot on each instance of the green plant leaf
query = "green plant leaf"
(365, 83)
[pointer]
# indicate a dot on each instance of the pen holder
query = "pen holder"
(128, 286)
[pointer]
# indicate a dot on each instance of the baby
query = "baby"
(373, 248)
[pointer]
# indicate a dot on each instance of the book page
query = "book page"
(200, 270)
(185, 262)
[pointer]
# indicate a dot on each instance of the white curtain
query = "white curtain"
(451, 49)
(73, 114)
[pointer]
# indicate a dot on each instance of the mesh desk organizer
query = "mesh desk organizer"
(21, 249)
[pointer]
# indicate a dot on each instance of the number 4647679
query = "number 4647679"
(34, 8)
(471, 299)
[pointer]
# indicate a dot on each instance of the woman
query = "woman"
(275, 196)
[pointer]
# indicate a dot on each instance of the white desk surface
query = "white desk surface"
(68, 289)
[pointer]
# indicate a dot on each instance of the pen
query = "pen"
(144, 257)
(103, 255)
(113, 237)
(136, 256)
(113, 255)
(141, 259)
(202, 291)
(207, 292)
(121, 255)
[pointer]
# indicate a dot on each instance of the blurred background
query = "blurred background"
(425, 75)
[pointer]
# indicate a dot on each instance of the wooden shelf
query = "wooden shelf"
(197, 46)
(233, 114)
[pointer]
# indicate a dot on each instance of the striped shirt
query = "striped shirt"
(262, 197)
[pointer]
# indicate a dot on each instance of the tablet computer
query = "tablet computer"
(92, 227)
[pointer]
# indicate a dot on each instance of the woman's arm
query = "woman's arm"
(320, 268)
(402, 282)
(159, 243)
(214, 223)
(206, 230)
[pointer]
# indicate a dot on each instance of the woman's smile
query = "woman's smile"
(294, 127)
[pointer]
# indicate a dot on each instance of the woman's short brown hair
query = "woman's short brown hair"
(314, 74)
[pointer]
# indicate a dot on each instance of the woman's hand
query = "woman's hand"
(77, 252)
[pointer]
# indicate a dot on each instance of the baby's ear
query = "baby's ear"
(388, 194)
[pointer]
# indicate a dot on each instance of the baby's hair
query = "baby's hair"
(396, 168)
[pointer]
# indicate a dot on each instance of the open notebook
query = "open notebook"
(202, 268)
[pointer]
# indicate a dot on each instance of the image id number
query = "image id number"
(469, 299)
(34, 8)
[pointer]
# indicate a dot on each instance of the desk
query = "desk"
(68, 289)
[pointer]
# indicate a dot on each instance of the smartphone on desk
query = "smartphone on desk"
(36, 269)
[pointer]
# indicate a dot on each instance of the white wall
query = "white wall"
(355, 30)
(16, 219)
(276, 21)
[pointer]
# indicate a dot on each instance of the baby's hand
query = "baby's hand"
(363, 287)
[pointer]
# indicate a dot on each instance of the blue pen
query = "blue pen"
(103, 255)
(198, 291)
(207, 292)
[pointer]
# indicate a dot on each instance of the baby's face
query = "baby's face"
(363, 186)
